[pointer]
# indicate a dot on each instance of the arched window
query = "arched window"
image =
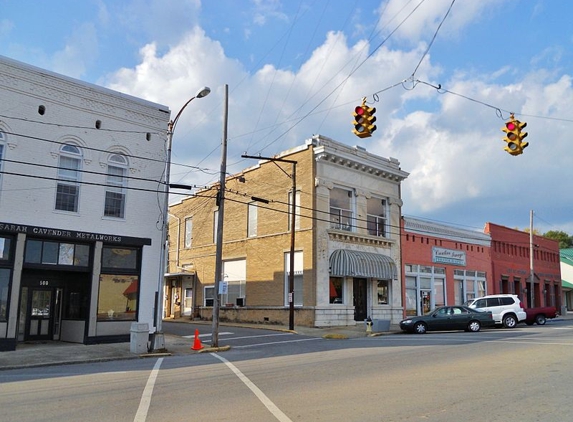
(115, 189)
(69, 169)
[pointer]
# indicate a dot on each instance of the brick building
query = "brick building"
(443, 265)
(347, 247)
(511, 266)
(80, 167)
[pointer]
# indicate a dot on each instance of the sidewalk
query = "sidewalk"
(59, 353)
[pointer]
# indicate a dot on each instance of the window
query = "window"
(68, 189)
(376, 222)
(235, 276)
(209, 295)
(115, 189)
(340, 209)
(56, 253)
(252, 219)
(4, 288)
(296, 211)
(336, 290)
(383, 291)
(215, 225)
(298, 279)
(118, 297)
(188, 232)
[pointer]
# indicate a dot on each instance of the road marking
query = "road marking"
(275, 342)
(208, 335)
(276, 412)
(262, 335)
(141, 414)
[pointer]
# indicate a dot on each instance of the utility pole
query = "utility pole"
(292, 232)
(531, 272)
(220, 220)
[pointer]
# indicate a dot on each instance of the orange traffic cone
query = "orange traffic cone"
(197, 343)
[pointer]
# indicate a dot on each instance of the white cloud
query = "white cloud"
(81, 49)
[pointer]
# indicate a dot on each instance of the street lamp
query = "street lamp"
(158, 338)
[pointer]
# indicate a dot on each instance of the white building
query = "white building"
(80, 193)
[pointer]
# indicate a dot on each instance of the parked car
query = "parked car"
(507, 309)
(540, 315)
(448, 318)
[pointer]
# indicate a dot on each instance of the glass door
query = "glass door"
(40, 311)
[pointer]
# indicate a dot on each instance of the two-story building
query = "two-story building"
(80, 172)
(347, 263)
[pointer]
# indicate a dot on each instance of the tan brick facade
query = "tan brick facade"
(264, 254)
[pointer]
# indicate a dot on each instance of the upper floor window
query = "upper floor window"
(341, 209)
(188, 232)
(296, 210)
(215, 225)
(68, 188)
(252, 219)
(115, 188)
(376, 210)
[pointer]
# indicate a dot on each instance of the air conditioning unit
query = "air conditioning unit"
(241, 301)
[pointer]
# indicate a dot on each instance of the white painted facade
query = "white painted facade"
(41, 113)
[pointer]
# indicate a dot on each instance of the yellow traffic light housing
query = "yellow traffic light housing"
(364, 120)
(514, 136)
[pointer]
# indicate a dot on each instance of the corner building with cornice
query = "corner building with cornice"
(347, 263)
(80, 177)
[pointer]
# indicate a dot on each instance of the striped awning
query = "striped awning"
(346, 263)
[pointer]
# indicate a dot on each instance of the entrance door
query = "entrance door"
(360, 299)
(40, 313)
(425, 301)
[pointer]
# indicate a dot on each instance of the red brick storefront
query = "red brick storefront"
(443, 265)
(511, 266)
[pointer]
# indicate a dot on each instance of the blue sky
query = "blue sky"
(299, 67)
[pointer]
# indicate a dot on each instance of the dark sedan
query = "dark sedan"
(448, 318)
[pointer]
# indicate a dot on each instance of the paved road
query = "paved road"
(510, 375)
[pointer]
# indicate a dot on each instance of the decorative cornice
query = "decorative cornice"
(357, 238)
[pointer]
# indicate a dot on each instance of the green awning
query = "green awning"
(566, 284)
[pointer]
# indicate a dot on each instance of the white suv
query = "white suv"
(507, 309)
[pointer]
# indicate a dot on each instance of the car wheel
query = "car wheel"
(474, 326)
(509, 321)
(540, 320)
(420, 328)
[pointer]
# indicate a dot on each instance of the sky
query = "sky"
(444, 76)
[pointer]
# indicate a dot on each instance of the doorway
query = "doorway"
(360, 299)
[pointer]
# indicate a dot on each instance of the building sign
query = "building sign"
(448, 256)
(72, 235)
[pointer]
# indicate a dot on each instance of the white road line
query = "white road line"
(141, 414)
(275, 342)
(276, 412)
(262, 335)
(208, 335)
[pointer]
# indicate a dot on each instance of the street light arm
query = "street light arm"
(203, 92)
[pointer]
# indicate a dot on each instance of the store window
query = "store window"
(4, 289)
(336, 290)
(118, 297)
(383, 292)
(56, 253)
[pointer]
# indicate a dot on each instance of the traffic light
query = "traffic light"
(514, 136)
(363, 120)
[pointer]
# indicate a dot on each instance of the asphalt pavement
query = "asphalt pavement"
(47, 353)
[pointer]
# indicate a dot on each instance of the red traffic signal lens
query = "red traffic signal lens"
(359, 110)
(510, 126)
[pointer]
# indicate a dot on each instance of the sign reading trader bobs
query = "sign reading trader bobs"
(73, 235)
(448, 256)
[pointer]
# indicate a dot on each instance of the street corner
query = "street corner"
(213, 349)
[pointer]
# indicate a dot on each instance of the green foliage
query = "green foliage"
(565, 241)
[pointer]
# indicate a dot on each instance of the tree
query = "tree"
(565, 241)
